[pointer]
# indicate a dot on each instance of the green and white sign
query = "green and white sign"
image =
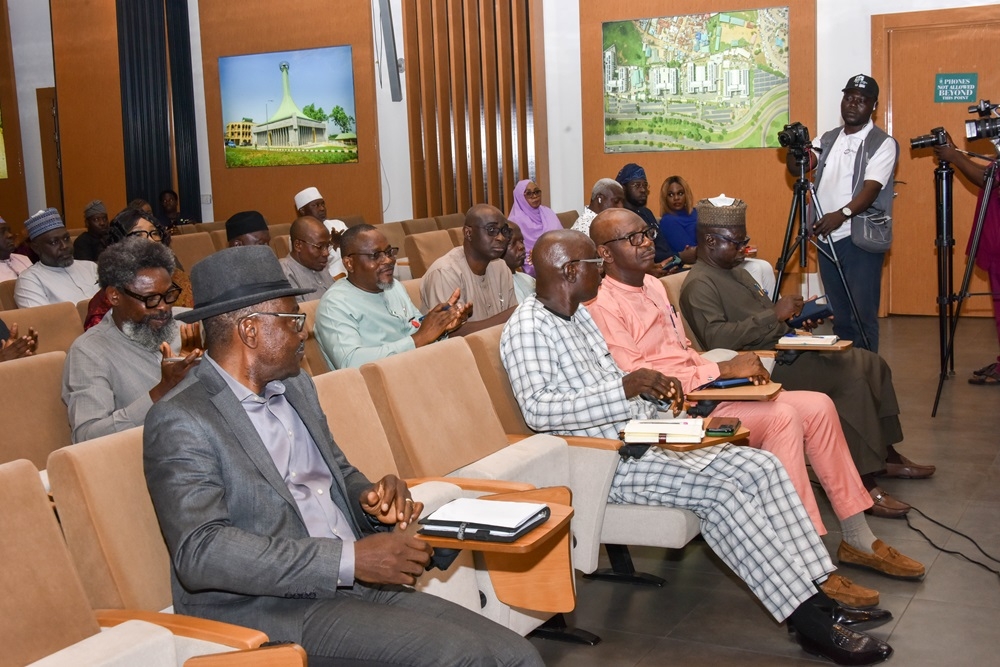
(956, 87)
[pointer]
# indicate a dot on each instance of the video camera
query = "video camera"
(985, 127)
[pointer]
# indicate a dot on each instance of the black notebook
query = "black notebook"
(484, 520)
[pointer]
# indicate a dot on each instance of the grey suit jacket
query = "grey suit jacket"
(239, 550)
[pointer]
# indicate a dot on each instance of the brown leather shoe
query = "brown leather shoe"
(848, 593)
(885, 559)
(907, 469)
(885, 506)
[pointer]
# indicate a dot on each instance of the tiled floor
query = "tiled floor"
(705, 616)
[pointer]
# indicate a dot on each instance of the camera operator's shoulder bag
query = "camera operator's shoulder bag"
(871, 230)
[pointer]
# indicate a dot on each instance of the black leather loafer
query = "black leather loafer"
(845, 646)
(851, 617)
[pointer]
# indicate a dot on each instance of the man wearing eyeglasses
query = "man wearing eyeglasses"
(305, 265)
(567, 383)
(477, 270)
(121, 366)
(267, 523)
(369, 315)
(726, 308)
(56, 277)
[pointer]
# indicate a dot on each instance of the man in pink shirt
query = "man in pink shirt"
(642, 330)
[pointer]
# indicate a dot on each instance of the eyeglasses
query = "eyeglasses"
(378, 255)
(740, 244)
(319, 246)
(298, 319)
(153, 300)
(493, 230)
(152, 234)
(533, 193)
(637, 238)
(598, 262)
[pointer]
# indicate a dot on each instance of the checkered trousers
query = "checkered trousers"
(750, 515)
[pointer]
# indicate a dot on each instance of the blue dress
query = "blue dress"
(678, 229)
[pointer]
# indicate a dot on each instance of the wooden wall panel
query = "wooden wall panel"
(13, 192)
(255, 26)
(757, 176)
(88, 89)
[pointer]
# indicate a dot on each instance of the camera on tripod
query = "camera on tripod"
(937, 137)
(985, 127)
(795, 137)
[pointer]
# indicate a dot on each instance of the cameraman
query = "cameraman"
(853, 176)
(988, 254)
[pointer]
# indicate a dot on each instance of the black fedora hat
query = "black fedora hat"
(235, 278)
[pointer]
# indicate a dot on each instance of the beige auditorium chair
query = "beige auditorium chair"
(615, 525)
(419, 225)
(673, 284)
(220, 239)
(57, 324)
(449, 221)
(313, 362)
(454, 429)
(352, 220)
(424, 248)
(82, 308)
(210, 226)
(567, 218)
(32, 412)
(7, 295)
(282, 229)
(521, 604)
(282, 245)
(413, 291)
(192, 248)
(49, 621)
(457, 235)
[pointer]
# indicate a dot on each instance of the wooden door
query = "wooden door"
(908, 51)
(48, 126)
(13, 192)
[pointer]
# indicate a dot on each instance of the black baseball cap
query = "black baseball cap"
(863, 83)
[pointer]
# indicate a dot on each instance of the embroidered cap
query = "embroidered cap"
(863, 84)
(306, 196)
(43, 221)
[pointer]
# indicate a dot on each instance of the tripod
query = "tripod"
(950, 303)
(799, 211)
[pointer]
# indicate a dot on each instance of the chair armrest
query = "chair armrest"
(202, 629)
(574, 441)
(468, 484)
(284, 655)
(766, 354)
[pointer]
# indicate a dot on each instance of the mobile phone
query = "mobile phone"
(662, 406)
(726, 383)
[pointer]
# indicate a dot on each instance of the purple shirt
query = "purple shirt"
(299, 463)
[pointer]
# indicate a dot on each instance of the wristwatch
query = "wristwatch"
(847, 212)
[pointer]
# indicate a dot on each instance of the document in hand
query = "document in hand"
(486, 520)
(664, 431)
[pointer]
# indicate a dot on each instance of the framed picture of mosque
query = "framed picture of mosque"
(696, 81)
(288, 108)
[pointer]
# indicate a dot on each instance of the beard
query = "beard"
(148, 336)
(384, 286)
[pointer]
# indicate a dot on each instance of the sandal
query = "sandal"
(987, 375)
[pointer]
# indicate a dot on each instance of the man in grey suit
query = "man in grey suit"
(267, 523)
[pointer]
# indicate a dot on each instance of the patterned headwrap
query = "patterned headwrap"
(630, 172)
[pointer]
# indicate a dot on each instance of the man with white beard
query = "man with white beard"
(117, 369)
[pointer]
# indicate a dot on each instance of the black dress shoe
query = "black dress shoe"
(851, 617)
(844, 646)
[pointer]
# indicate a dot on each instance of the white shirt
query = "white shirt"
(836, 189)
(41, 285)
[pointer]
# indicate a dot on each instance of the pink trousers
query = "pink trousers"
(797, 424)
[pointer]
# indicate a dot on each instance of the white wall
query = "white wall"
(200, 116)
(564, 99)
(393, 129)
(843, 45)
(31, 43)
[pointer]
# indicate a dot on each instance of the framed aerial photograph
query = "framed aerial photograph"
(696, 81)
(288, 108)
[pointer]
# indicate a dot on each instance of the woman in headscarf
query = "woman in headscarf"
(136, 222)
(533, 218)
